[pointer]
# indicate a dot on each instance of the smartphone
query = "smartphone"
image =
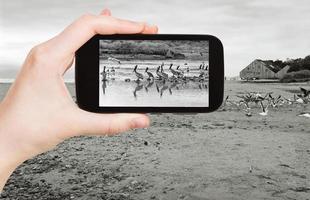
(150, 73)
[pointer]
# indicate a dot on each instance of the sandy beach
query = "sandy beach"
(221, 155)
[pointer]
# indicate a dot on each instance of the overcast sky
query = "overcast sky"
(265, 29)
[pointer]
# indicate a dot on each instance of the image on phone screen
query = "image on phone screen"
(153, 73)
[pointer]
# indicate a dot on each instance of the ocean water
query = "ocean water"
(152, 93)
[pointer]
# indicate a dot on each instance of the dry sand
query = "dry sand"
(221, 155)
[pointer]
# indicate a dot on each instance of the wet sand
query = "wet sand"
(221, 155)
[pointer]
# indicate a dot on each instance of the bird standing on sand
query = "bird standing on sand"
(139, 75)
(151, 76)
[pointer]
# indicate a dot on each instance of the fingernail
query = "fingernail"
(155, 28)
(140, 122)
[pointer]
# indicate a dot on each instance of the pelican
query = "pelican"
(104, 74)
(159, 74)
(179, 71)
(264, 109)
(201, 71)
(164, 75)
(139, 75)
(149, 74)
(174, 72)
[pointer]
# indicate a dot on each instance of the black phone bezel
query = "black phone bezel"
(87, 70)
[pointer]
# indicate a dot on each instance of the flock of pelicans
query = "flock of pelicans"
(163, 80)
(245, 102)
(177, 73)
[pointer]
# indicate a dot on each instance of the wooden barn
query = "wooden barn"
(282, 72)
(260, 69)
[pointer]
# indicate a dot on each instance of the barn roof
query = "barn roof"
(271, 65)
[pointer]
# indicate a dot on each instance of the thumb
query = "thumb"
(109, 124)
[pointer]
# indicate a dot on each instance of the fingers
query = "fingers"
(147, 30)
(108, 124)
(150, 30)
(79, 32)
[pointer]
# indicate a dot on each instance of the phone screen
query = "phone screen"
(153, 73)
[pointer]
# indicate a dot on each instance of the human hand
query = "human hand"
(38, 112)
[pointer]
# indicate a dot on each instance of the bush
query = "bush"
(299, 64)
(302, 75)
